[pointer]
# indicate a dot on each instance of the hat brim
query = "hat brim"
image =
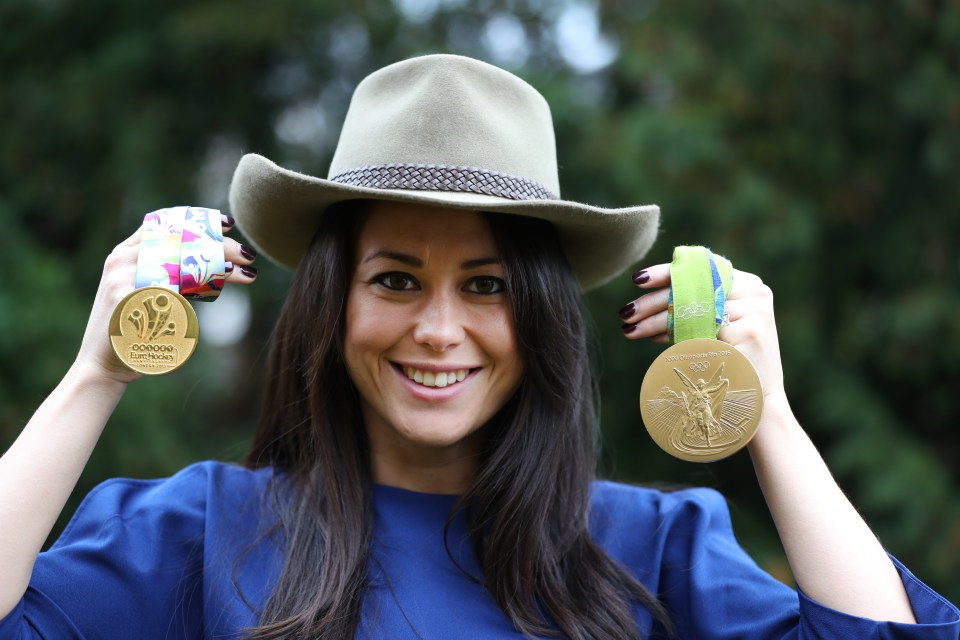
(279, 211)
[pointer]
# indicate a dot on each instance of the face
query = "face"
(430, 342)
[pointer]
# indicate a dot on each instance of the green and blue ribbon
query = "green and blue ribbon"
(697, 302)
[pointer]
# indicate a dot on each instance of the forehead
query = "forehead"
(422, 229)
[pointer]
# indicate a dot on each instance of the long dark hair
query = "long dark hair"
(527, 507)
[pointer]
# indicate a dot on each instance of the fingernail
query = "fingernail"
(248, 252)
(227, 266)
(227, 221)
(628, 328)
(627, 310)
(250, 272)
(640, 277)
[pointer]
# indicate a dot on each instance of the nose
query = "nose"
(440, 323)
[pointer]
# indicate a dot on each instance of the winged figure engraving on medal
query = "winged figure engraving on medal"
(702, 416)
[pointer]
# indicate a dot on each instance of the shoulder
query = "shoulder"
(136, 554)
(182, 501)
(644, 526)
(611, 502)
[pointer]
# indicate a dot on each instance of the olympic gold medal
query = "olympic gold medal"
(701, 400)
(154, 330)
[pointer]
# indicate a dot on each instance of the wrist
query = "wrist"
(84, 377)
(778, 426)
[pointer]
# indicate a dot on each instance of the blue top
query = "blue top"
(158, 559)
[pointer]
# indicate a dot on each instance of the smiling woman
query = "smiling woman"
(436, 290)
(429, 342)
(424, 464)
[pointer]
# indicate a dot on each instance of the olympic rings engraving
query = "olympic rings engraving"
(699, 367)
(693, 310)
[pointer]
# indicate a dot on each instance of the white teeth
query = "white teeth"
(440, 380)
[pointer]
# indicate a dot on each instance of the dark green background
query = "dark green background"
(816, 144)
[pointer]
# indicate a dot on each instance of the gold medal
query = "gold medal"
(154, 330)
(701, 400)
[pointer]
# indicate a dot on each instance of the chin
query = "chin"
(440, 436)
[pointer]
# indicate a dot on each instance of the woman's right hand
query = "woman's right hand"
(41, 467)
(97, 357)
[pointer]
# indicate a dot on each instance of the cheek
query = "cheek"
(503, 345)
(364, 336)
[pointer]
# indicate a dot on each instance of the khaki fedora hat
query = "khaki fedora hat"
(441, 130)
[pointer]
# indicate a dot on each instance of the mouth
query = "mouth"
(434, 379)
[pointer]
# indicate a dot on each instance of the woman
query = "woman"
(424, 460)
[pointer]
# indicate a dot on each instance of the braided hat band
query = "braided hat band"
(441, 177)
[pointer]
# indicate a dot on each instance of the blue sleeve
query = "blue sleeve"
(682, 547)
(129, 565)
(715, 591)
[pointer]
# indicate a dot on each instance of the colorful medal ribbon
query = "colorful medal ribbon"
(701, 399)
(181, 249)
(702, 301)
(154, 330)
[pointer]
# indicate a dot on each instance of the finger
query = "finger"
(227, 222)
(738, 309)
(121, 264)
(240, 273)
(754, 306)
(647, 328)
(646, 305)
(745, 284)
(652, 277)
(663, 338)
(238, 254)
(239, 258)
(749, 294)
(134, 239)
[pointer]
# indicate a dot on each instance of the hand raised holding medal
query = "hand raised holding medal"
(154, 330)
(702, 398)
(136, 304)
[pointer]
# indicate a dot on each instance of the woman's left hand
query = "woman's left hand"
(817, 524)
(752, 329)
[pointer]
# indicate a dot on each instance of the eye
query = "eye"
(397, 281)
(485, 285)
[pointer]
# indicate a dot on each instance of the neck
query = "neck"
(426, 468)
(430, 471)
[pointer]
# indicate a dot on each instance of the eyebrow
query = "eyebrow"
(414, 261)
(405, 258)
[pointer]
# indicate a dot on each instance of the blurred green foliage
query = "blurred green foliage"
(812, 143)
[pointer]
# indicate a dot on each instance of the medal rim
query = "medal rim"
(192, 332)
(687, 347)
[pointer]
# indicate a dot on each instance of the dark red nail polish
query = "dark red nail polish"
(227, 221)
(227, 266)
(628, 328)
(627, 310)
(248, 252)
(250, 272)
(640, 277)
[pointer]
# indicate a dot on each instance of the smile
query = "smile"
(436, 378)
